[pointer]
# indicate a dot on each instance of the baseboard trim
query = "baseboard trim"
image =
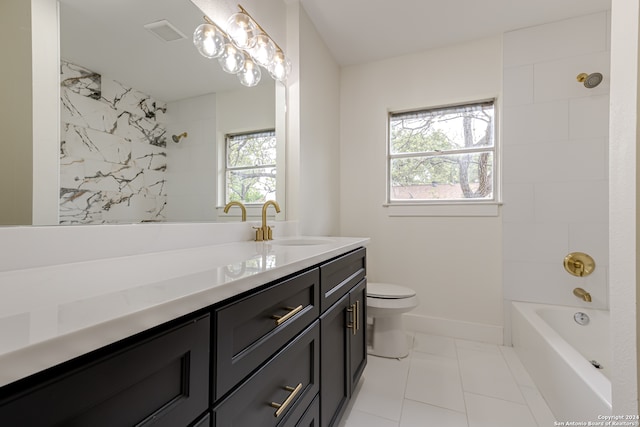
(472, 331)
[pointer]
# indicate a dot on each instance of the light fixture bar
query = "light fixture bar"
(242, 48)
(243, 10)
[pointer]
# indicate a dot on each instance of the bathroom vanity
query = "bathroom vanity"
(276, 338)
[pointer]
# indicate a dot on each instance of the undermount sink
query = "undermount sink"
(300, 242)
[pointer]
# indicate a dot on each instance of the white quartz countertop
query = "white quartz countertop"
(52, 314)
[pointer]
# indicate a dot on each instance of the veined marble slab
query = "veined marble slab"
(113, 151)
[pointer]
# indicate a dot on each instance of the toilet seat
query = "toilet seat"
(388, 291)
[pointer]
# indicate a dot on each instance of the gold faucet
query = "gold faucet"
(581, 293)
(265, 232)
(235, 203)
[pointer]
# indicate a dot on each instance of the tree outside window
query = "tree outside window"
(442, 154)
(251, 167)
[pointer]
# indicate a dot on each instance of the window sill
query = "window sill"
(442, 209)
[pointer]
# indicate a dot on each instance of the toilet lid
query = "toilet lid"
(389, 291)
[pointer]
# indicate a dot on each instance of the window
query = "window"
(250, 172)
(442, 155)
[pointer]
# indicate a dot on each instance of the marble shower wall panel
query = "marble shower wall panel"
(113, 157)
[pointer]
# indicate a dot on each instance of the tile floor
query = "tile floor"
(446, 382)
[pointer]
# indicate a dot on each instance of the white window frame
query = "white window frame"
(459, 207)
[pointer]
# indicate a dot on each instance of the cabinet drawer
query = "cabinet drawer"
(251, 330)
(158, 382)
(296, 367)
(337, 277)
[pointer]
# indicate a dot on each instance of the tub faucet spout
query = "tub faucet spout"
(581, 293)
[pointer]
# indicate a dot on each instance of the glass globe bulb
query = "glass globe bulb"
(280, 66)
(263, 50)
(232, 59)
(242, 30)
(209, 40)
(250, 75)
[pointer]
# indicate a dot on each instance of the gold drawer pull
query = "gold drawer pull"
(357, 314)
(351, 324)
(281, 319)
(282, 406)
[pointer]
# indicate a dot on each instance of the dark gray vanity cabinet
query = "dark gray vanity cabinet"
(157, 380)
(343, 333)
(285, 354)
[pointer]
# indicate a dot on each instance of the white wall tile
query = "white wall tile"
(518, 201)
(581, 160)
(536, 123)
(535, 242)
(555, 40)
(555, 80)
(572, 202)
(549, 283)
(517, 85)
(592, 239)
(589, 117)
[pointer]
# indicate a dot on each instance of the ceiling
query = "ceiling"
(108, 37)
(359, 31)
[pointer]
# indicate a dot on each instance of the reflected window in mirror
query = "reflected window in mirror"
(250, 171)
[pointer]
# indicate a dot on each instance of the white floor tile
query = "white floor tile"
(435, 344)
(361, 419)
(484, 371)
(538, 406)
(435, 380)
(382, 388)
(417, 414)
(520, 374)
(447, 382)
(483, 411)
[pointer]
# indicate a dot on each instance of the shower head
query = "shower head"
(177, 138)
(590, 80)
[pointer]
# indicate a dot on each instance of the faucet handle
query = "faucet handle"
(270, 232)
(259, 234)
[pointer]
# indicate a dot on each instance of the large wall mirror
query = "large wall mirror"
(143, 115)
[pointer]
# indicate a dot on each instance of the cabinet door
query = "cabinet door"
(311, 418)
(358, 338)
(334, 365)
(160, 381)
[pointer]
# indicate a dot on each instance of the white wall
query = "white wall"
(191, 163)
(623, 208)
(555, 172)
(28, 112)
(319, 134)
(453, 263)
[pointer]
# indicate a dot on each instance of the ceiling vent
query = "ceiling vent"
(165, 31)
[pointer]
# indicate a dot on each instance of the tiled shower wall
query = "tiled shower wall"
(555, 173)
(112, 151)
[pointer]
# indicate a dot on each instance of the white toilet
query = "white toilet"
(385, 304)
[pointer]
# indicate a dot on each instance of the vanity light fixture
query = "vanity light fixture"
(242, 49)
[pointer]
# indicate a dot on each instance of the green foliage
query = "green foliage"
(251, 167)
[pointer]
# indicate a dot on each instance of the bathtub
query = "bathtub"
(556, 351)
